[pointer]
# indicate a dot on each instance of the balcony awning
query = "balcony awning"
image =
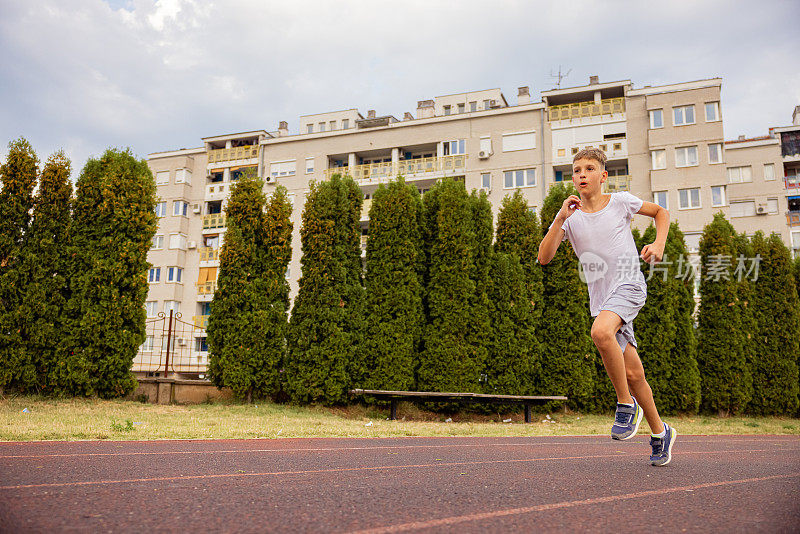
(207, 274)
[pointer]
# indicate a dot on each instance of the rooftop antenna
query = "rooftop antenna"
(559, 76)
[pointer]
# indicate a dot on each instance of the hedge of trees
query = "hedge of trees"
(445, 300)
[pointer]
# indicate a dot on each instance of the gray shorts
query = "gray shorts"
(626, 301)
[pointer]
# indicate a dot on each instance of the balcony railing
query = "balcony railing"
(206, 288)
(615, 184)
(608, 106)
(215, 220)
(201, 321)
(378, 172)
(209, 254)
(791, 182)
(230, 154)
(793, 218)
(364, 242)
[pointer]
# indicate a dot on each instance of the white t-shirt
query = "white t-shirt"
(604, 245)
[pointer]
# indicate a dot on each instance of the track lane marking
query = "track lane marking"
(332, 449)
(344, 469)
(417, 525)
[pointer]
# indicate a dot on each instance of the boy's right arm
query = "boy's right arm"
(551, 241)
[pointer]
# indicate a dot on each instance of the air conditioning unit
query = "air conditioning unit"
(195, 208)
(484, 154)
(761, 209)
(192, 244)
(181, 341)
(269, 179)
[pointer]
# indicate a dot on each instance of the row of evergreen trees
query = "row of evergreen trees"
(444, 304)
(73, 272)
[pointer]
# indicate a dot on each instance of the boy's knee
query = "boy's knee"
(602, 336)
(634, 376)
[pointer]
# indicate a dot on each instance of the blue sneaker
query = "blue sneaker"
(626, 421)
(662, 447)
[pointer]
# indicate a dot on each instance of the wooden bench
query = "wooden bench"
(396, 396)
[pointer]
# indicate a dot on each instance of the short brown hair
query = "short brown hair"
(592, 153)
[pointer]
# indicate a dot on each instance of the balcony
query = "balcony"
(214, 220)
(209, 254)
(206, 288)
(375, 173)
(609, 106)
(615, 184)
(614, 148)
(364, 243)
(232, 154)
(793, 218)
(201, 321)
(792, 183)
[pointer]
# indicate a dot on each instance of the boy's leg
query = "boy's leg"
(638, 386)
(604, 335)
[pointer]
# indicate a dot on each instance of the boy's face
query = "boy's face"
(588, 176)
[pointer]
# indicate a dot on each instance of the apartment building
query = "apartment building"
(665, 144)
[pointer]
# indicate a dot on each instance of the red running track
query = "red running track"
(541, 484)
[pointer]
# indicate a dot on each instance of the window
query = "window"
(683, 115)
(660, 198)
(519, 178)
(161, 209)
(283, 168)
(532, 209)
(447, 110)
(180, 207)
(458, 146)
(309, 165)
(309, 128)
(745, 208)
(333, 125)
(487, 104)
(151, 308)
(692, 241)
(172, 306)
(162, 177)
(659, 159)
(718, 196)
(769, 171)
(345, 124)
(322, 127)
(738, 175)
(147, 346)
(462, 108)
(715, 153)
(158, 242)
(486, 180)
(473, 106)
(772, 205)
(183, 176)
(486, 144)
(519, 141)
(174, 274)
(201, 345)
(686, 156)
(656, 118)
(177, 241)
(712, 111)
(689, 198)
(154, 275)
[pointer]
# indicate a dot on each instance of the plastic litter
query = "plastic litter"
(547, 416)
(506, 420)
(448, 420)
(25, 410)
(137, 422)
(369, 424)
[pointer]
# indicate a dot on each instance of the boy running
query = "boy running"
(598, 226)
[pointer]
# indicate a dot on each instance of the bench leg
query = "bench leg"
(393, 410)
(527, 413)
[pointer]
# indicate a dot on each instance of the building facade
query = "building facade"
(664, 144)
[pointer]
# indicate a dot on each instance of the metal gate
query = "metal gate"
(172, 345)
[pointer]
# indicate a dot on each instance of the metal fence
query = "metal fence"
(172, 345)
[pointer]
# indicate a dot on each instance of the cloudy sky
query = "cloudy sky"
(84, 75)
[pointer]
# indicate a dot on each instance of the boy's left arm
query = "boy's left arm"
(654, 252)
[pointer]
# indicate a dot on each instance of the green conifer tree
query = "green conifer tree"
(394, 316)
(726, 382)
(114, 222)
(479, 328)
(777, 329)
(664, 328)
(248, 321)
(18, 177)
(45, 263)
(569, 360)
(325, 356)
(449, 361)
